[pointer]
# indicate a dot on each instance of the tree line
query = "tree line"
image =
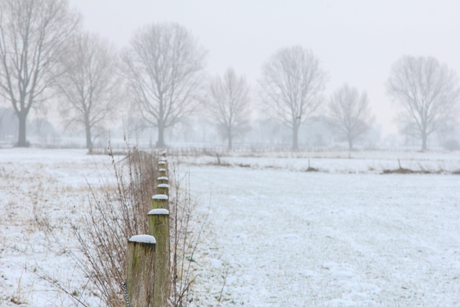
(45, 56)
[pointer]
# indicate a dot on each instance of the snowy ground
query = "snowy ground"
(344, 236)
(336, 161)
(54, 182)
(318, 239)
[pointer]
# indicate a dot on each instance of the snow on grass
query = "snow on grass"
(345, 236)
(52, 182)
(337, 162)
(322, 239)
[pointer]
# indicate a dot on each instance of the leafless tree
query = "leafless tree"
(350, 113)
(228, 104)
(290, 86)
(90, 83)
(33, 34)
(163, 66)
(427, 93)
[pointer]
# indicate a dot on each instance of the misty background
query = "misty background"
(355, 43)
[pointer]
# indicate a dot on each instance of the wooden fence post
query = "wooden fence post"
(160, 201)
(165, 160)
(162, 168)
(163, 179)
(141, 271)
(163, 188)
(159, 228)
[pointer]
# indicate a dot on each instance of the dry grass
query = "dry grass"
(115, 212)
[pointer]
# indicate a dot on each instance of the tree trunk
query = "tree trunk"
(22, 142)
(229, 136)
(161, 142)
(424, 138)
(89, 143)
(295, 137)
(350, 143)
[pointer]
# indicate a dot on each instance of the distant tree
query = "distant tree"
(349, 113)
(164, 69)
(427, 93)
(33, 35)
(290, 86)
(90, 84)
(228, 104)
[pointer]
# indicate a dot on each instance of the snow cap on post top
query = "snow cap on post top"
(163, 153)
(146, 239)
(140, 269)
(160, 197)
(160, 201)
(158, 212)
(163, 189)
(162, 179)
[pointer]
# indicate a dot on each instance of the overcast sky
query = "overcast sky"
(355, 41)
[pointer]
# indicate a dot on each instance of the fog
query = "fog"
(355, 42)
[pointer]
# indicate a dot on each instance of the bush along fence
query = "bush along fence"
(148, 257)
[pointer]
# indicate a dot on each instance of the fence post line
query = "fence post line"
(165, 160)
(141, 270)
(163, 188)
(159, 228)
(162, 168)
(160, 201)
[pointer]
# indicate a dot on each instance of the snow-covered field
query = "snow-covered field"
(54, 182)
(344, 236)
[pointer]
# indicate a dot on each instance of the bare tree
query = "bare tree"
(427, 93)
(90, 84)
(163, 66)
(291, 83)
(228, 104)
(350, 113)
(33, 34)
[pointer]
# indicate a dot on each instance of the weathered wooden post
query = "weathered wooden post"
(162, 168)
(163, 188)
(163, 179)
(141, 271)
(165, 160)
(160, 201)
(159, 228)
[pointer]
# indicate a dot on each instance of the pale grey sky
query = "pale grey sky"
(356, 41)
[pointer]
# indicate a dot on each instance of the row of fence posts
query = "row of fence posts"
(148, 259)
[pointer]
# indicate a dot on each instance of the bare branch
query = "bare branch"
(290, 87)
(228, 104)
(427, 93)
(163, 66)
(90, 85)
(350, 113)
(33, 35)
